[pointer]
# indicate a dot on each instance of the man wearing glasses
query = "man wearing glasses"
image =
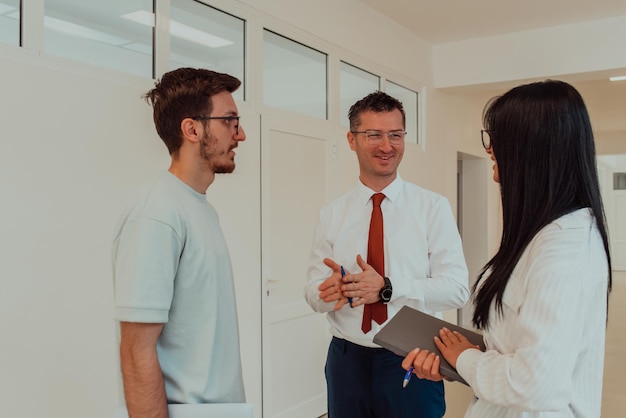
(174, 292)
(385, 244)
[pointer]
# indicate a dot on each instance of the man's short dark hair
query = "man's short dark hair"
(184, 93)
(374, 102)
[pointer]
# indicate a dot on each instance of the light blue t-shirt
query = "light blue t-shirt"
(171, 266)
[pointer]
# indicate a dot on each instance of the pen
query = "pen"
(407, 377)
(343, 273)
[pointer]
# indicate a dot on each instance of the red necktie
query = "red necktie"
(375, 258)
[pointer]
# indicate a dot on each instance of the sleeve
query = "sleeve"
(318, 271)
(544, 322)
(447, 286)
(145, 265)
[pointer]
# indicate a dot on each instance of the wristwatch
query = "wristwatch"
(385, 292)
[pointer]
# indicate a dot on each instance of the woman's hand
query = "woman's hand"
(425, 364)
(452, 344)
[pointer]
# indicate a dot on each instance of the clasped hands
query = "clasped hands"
(426, 364)
(362, 287)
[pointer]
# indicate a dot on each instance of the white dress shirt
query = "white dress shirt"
(423, 254)
(545, 355)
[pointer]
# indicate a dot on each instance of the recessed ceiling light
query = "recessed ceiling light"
(620, 78)
(140, 16)
(178, 58)
(72, 29)
(180, 30)
(190, 34)
(5, 9)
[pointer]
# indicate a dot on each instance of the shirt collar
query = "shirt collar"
(391, 192)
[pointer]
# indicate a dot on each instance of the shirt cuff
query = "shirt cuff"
(148, 316)
(465, 364)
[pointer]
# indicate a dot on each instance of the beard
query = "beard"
(219, 162)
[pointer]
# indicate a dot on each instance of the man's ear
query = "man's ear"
(351, 140)
(189, 129)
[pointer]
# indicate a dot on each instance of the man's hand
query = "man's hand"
(330, 289)
(362, 287)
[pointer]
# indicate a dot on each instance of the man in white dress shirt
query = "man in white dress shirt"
(423, 268)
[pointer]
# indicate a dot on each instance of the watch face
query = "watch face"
(386, 291)
(385, 294)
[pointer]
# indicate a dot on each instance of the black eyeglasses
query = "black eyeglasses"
(485, 136)
(228, 119)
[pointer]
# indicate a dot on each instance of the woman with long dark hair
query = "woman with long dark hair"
(541, 301)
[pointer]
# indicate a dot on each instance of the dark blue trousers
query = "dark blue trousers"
(366, 382)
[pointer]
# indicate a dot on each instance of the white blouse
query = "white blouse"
(545, 354)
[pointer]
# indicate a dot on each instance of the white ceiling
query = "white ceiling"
(443, 21)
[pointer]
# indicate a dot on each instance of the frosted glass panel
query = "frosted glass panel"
(409, 101)
(294, 76)
(115, 34)
(204, 37)
(354, 84)
(10, 22)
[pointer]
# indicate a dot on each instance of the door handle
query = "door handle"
(270, 284)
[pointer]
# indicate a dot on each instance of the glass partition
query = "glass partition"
(116, 34)
(354, 84)
(294, 76)
(410, 103)
(204, 37)
(10, 22)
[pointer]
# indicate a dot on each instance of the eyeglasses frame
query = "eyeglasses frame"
(384, 134)
(482, 138)
(226, 118)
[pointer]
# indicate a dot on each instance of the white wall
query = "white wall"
(608, 143)
(78, 141)
(74, 145)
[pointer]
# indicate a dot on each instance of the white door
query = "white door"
(296, 155)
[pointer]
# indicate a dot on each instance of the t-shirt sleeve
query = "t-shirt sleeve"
(145, 268)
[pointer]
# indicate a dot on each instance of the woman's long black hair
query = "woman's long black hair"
(543, 144)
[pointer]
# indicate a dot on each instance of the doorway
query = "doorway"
(614, 201)
(295, 171)
(473, 177)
